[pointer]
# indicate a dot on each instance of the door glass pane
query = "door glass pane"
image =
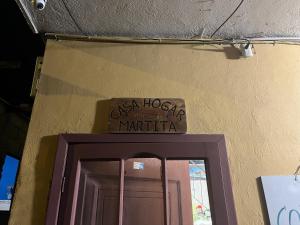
(143, 192)
(187, 181)
(98, 194)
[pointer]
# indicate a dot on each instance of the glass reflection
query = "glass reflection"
(143, 192)
(199, 193)
(99, 187)
(187, 183)
(98, 193)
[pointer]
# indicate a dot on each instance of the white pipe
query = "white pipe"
(274, 39)
(260, 40)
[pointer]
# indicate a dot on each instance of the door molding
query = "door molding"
(212, 148)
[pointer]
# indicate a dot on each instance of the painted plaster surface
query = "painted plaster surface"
(255, 102)
(169, 18)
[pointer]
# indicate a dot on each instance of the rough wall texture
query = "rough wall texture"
(254, 102)
(169, 18)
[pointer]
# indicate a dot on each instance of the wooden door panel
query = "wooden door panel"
(143, 210)
(107, 213)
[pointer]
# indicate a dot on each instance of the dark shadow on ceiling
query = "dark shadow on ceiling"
(19, 48)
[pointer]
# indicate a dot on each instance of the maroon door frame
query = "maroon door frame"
(73, 148)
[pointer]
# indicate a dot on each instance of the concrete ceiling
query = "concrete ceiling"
(166, 18)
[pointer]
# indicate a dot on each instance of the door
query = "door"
(141, 180)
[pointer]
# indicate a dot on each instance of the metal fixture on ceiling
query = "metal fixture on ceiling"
(40, 4)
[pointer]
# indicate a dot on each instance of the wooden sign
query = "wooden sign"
(147, 115)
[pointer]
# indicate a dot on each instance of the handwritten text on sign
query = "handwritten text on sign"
(147, 115)
(282, 194)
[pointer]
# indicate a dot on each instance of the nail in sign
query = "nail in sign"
(147, 115)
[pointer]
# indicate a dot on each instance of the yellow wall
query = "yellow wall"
(255, 102)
